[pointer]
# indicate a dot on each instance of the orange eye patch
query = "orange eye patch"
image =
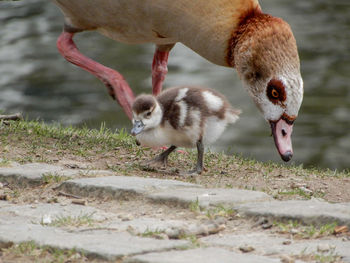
(275, 91)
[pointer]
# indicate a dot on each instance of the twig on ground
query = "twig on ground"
(12, 117)
(79, 202)
(69, 195)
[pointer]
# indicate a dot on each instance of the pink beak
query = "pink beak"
(282, 132)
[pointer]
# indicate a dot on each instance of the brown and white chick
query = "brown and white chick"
(181, 117)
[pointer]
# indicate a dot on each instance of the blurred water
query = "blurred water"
(36, 80)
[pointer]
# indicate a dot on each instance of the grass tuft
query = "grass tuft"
(305, 232)
(72, 221)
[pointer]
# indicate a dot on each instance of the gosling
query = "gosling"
(184, 116)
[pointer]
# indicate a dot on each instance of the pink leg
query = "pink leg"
(117, 87)
(159, 67)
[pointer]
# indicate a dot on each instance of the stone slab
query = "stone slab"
(210, 197)
(160, 191)
(104, 244)
(200, 255)
(50, 213)
(270, 245)
(309, 212)
(173, 229)
(141, 225)
(32, 173)
(123, 187)
(36, 212)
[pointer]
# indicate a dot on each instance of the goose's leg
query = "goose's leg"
(117, 87)
(163, 157)
(160, 67)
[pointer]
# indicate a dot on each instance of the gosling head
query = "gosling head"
(267, 61)
(147, 114)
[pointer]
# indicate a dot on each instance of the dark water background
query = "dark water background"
(37, 81)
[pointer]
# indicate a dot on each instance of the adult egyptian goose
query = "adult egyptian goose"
(181, 117)
(231, 33)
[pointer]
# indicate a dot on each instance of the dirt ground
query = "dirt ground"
(222, 171)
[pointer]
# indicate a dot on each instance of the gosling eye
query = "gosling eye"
(148, 114)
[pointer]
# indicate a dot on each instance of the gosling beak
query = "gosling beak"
(282, 132)
(137, 128)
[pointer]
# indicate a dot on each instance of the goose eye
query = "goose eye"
(276, 92)
(148, 114)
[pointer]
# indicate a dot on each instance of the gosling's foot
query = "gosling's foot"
(191, 173)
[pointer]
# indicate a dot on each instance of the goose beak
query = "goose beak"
(137, 128)
(282, 132)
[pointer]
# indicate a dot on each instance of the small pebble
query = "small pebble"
(294, 231)
(4, 244)
(266, 226)
(215, 228)
(323, 248)
(161, 236)
(74, 257)
(173, 233)
(286, 259)
(1, 185)
(340, 229)
(127, 218)
(4, 197)
(47, 220)
(220, 220)
(246, 249)
(201, 230)
(305, 190)
(287, 242)
(261, 221)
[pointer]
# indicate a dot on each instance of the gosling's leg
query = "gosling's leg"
(199, 166)
(200, 154)
(162, 159)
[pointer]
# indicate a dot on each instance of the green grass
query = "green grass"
(152, 233)
(25, 248)
(296, 191)
(50, 178)
(195, 242)
(194, 206)
(212, 212)
(4, 162)
(326, 257)
(80, 140)
(306, 231)
(72, 221)
(220, 210)
(77, 140)
(31, 252)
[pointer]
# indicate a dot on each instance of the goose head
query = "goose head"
(147, 114)
(267, 61)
